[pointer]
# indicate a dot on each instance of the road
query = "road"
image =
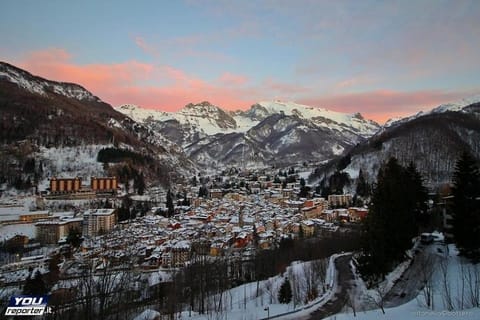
(413, 279)
(344, 284)
(405, 289)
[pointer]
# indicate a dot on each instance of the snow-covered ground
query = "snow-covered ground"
(245, 302)
(454, 285)
(70, 162)
(410, 310)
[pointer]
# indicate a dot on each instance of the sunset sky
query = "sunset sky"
(381, 58)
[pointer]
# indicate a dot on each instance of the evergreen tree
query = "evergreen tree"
(139, 183)
(194, 181)
(303, 189)
(170, 207)
(391, 222)
(363, 189)
(185, 201)
(337, 181)
(466, 206)
(417, 194)
(35, 285)
(203, 192)
(285, 293)
(74, 237)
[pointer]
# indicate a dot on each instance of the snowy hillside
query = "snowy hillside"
(42, 86)
(56, 128)
(319, 116)
(203, 117)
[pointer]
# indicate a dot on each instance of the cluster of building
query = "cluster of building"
(231, 222)
(232, 226)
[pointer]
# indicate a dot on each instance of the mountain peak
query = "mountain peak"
(323, 117)
(202, 107)
(44, 87)
(456, 106)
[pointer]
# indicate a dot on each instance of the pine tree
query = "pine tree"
(139, 183)
(363, 189)
(169, 203)
(203, 192)
(417, 194)
(391, 222)
(466, 206)
(74, 237)
(303, 189)
(35, 285)
(285, 293)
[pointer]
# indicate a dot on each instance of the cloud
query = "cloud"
(381, 105)
(154, 86)
(146, 47)
(193, 46)
(168, 88)
(230, 79)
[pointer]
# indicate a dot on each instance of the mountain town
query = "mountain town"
(231, 160)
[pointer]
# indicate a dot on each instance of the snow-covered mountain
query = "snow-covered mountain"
(38, 85)
(209, 119)
(269, 132)
(319, 116)
(47, 126)
(455, 106)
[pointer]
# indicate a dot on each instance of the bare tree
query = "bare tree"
(447, 291)
(473, 281)
(377, 295)
(350, 302)
(427, 263)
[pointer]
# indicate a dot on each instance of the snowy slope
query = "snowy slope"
(453, 285)
(203, 117)
(321, 116)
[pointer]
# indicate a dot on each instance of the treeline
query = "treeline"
(131, 168)
(21, 172)
(116, 155)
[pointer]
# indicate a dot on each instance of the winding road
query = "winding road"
(344, 284)
(412, 280)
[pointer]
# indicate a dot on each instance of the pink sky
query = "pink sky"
(167, 88)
